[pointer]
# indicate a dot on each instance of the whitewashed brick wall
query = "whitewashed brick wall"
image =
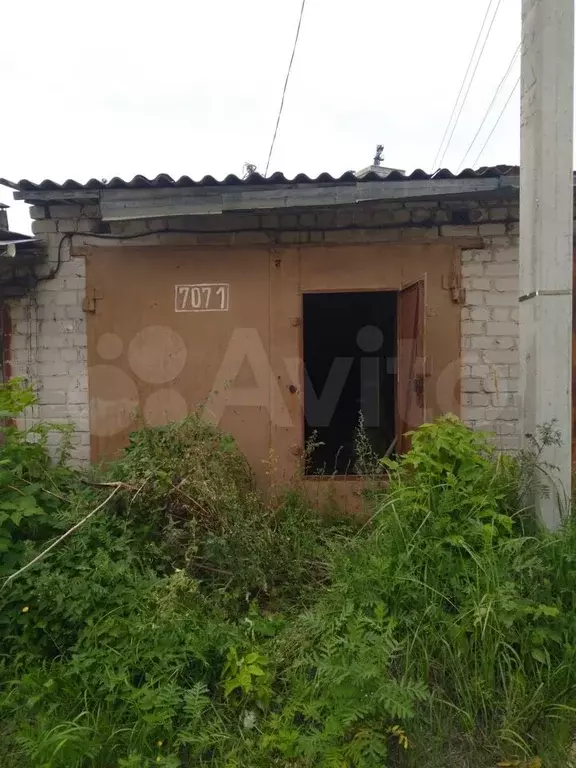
(490, 361)
(48, 348)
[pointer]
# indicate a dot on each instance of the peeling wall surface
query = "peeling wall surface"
(54, 329)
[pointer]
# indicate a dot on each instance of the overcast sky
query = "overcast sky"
(120, 87)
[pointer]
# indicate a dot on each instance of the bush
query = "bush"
(484, 614)
(190, 494)
(189, 623)
(32, 487)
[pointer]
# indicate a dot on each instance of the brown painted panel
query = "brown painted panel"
(287, 427)
(240, 354)
(156, 352)
(411, 368)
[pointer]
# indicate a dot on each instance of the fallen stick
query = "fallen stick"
(80, 523)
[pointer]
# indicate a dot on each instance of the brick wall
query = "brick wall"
(48, 347)
(49, 337)
(490, 362)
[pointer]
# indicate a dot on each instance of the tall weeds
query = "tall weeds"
(189, 623)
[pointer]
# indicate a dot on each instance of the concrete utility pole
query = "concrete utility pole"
(546, 234)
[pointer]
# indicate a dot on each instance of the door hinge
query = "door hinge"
(89, 301)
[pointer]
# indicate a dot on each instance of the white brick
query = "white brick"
(501, 299)
(504, 356)
(473, 270)
(74, 312)
(506, 284)
(474, 298)
(502, 414)
(43, 226)
(53, 327)
(47, 355)
(68, 298)
(507, 428)
(500, 315)
(495, 269)
(480, 399)
(51, 397)
(471, 328)
(69, 355)
(477, 283)
(52, 342)
(55, 383)
(76, 396)
(472, 385)
(501, 329)
(504, 399)
(506, 255)
(20, 342)
(469, 357)
(475, 255)
(18, 311)
(37, 212)
(87, 225)
(480, 313)
(493, 342)
(59, 368)
(66, 225)
(498, 384)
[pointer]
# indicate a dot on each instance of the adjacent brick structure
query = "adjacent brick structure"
(48, 325)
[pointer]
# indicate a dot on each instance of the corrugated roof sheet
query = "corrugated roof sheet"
(163, 180)
(14, 237)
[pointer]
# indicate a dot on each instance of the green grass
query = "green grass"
(191, 623)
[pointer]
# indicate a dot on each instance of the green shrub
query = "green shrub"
(32, 485)
(190, 491)
(485, 612)
(189, 623)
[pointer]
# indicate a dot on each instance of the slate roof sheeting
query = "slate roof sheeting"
(164, 181)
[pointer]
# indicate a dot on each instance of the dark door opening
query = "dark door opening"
(350, 354)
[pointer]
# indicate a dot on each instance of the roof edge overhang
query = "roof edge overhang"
(134, 203)
(117, 205)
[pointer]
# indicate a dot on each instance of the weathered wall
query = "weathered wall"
(49, 332)
(490, 358)
(48, 346)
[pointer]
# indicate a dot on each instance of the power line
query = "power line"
(496, 94)
(462, 84)
(285, 87)
(470, 82)
(498, 119)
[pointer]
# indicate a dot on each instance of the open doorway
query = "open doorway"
(350, 352)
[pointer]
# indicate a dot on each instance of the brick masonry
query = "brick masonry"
(48, 326)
